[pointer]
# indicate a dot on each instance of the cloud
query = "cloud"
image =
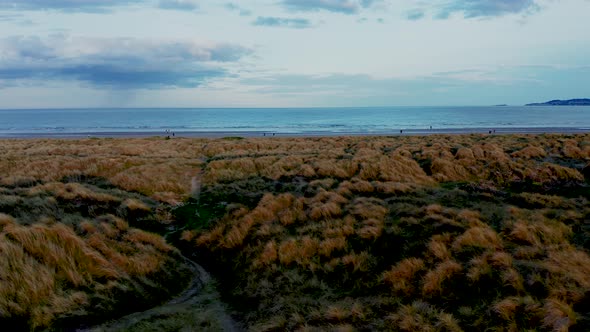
(414, 15)
(187, 5)
(115, 63)
(463, 87)
(9, 17)
(487, 8)
(471, 86)
(16, 19)
(66, 5)
(340, 84)
(337, 6)
(475, 9)
(233, 7)
(94, 6)
(294, 23)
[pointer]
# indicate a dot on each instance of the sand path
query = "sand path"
(197, 308)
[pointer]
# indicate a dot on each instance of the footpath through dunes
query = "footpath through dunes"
(197, 308)
(445, 232)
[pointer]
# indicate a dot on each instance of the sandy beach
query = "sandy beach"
(270, 134)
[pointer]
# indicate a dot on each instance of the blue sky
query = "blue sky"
(291, 53)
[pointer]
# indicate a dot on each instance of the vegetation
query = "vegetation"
(68, 258)
(440, 233)
(68, 254)
(401, 233)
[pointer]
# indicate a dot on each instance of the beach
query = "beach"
(270, 134)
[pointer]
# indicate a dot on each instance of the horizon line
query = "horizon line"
(245, 107)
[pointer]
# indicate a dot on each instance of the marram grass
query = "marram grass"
(436, 233)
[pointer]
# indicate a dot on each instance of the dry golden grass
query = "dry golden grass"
(401, 277)
(371, 229)
(447, 170)
(328, 246)
(569, 265)
(70, 191)
(351, 212)
(259, 157)
(420, 316)
(540, 232)
(300, 251)
(49, 271)
(559, 316)
(328, 210)
(356, 262)
(151, 166)
(507, 307)
(479, 236)
(64, 253)
(395, 188)
(345, 310)
(434, 279)
(321, 233)
(530, 152)
(135, 205)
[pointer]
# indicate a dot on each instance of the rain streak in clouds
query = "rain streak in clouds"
(117, 62)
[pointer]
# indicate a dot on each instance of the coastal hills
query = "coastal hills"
(569, 102)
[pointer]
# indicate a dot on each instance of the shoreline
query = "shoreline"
(270, 134)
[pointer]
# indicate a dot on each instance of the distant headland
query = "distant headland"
(570, 102)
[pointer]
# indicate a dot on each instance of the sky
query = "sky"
(291, 53)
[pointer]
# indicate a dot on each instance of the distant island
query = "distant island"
(570, 102)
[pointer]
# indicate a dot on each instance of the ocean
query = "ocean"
(293, 121)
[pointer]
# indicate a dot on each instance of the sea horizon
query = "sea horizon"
(267, 107)
(375, 120)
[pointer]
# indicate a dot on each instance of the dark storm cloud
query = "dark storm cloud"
(477, 8)
(66, 5)
(96, 6)
(187, 5)
(235, 8)
(337, 6)
(482, 8)
(294, 23)
(415, 15)
(119, 62)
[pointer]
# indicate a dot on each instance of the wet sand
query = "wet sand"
(270, 134)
